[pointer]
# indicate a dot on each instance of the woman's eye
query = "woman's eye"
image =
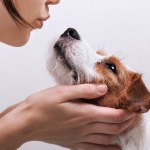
(111, 66)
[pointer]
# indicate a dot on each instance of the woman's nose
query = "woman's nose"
(52, 2)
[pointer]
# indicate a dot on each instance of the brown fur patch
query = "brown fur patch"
(125, 88)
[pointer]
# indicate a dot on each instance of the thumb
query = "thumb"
(87, 91)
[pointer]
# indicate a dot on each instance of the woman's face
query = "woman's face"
(35, 12)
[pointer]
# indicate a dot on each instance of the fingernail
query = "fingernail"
(102, 88)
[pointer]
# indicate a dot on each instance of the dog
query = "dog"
(72, 61)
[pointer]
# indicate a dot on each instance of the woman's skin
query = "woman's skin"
(54, 115)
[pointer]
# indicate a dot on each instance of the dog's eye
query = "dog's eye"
(111, 66)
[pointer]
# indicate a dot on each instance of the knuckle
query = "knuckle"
(88, 114)
(119, 117)
(84, 119)
(30, 99)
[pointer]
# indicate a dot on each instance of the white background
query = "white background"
(121, 27)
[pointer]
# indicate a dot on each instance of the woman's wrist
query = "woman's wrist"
(12, 128)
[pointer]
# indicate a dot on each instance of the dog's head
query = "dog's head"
(73, 61)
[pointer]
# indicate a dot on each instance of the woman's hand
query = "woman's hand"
(50, 116)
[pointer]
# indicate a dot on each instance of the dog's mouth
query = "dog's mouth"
(76, 57)
(64, 46)
(60, 52)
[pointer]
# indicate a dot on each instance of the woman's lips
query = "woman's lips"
(39, 22)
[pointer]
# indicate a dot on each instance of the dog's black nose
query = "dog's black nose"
(71, 32)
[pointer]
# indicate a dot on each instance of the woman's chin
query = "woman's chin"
(19, 41)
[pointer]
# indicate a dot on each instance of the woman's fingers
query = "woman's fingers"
(90, 146)
(110, 115)
(107, 128)
(87, 91)
(100, 139)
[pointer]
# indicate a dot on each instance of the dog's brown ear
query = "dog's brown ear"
(138, 95)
